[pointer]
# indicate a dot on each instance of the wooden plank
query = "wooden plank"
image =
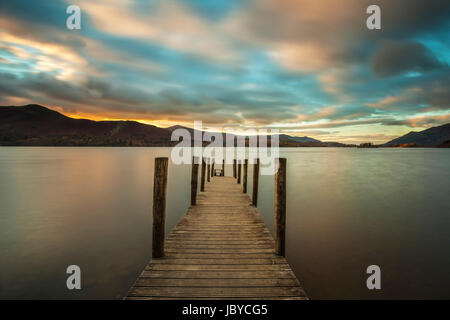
(221, 249)
(198, 236)
(216, 292)
(236, 250)
(206, 233)
(217, 267)
(227, 235)
(151, 282)
(192, 274)
(216, 298)
(219, 240)
(218, 244)
(217, 230)
(206, 256)
(214, 261)
(231, 242)
(224, 235)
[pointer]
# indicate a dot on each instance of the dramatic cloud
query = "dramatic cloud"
(400, 57)
(421, 122)
(298, 65)
(169, 23)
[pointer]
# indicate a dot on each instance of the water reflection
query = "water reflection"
(347, 209)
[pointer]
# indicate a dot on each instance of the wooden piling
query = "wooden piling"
(280, 207)
(208, 175)
(202, 182)
(239, 172)
(159, 206)
(244, 184)
(234, 168)
(194, 181)
(255, 183)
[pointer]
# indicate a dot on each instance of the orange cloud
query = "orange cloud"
(305, 57)
(385, 102)
(408, 94)
(51, 57)
(427, 121)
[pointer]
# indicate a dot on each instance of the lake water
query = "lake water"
(346, 209)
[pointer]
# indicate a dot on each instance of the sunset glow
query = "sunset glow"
(300, 66)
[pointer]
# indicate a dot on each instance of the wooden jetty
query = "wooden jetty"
(221, 249)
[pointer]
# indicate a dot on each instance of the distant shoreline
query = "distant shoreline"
(171, 146)
(35, 125)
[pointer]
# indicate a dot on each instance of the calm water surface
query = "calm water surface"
(347, 209)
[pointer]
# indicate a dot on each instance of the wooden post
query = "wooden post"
(212, 168)
(244, 184)
(239, 172)
(202, 182)
(280, 207)
(159, 206)
(255, 183)
(208, 175)
(223, 167)
(234, 168)
(194, 181)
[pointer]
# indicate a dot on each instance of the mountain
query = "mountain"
(284, 140)
(446, 144)
(432, 137)
(35, 125)
(285, 137)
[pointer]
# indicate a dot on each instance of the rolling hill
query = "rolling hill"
(35, 125)
(432, 137)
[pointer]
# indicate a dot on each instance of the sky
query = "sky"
(305, 67)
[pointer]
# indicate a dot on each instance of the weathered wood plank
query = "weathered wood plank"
(217, 267)
(205, 256)
(150, 282)
(215, 261)
(217, 234)
(221, 249)
(246, 242)
(216, 298)
(195, 274)
(216, 292)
